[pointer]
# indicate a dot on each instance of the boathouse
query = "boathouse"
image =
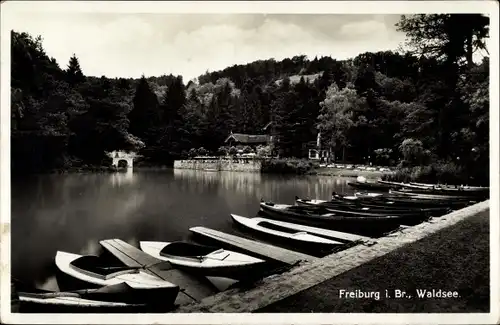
(251, 140)
(240, 139)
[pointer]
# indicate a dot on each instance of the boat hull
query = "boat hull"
(115, 298)
(77, 305)
(458, 191)
(371, 186)
(367, 226)
(403, 200)
(145, 288)
(226, 264)
(360, 206)
(307, 242)
(434, 196)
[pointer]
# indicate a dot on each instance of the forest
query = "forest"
(424, 109)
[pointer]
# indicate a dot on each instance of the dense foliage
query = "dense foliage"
(288, 166)
(427, 105)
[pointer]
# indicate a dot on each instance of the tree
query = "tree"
(74, 73)
(413, 151)
(452, 37)
(284, 120)
(193, 116)
(145, 113)
(336, 117)
(450, 40)
(472, 140)
(250, 109)
(173, 139)
(434, 94)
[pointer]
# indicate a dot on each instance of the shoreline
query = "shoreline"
(310, 281)
(313, 171)
(372, 174)
(322, 171)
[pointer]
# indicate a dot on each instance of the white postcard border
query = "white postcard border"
(13, 10)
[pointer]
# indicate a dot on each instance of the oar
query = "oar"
(125, 268)
(50, 295)
(202, 257)
(75, 293)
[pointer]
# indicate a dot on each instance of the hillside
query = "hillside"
(383, 107)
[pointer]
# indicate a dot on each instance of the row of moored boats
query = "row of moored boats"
(157, 276)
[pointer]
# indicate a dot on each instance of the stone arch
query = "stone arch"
(121, 161)
(118, 156)
(129, 161)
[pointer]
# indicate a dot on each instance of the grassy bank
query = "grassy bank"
(437, 173)
(309, 167)
(288, 166)
(324, 171)
(453, 259)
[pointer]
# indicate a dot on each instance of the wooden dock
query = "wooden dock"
(192, 288)
(128, 254)
(252, 247)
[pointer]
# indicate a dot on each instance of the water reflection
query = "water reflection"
(74, 212)
(252, 183)
(91, 248)
(48, 284)
(124, 178)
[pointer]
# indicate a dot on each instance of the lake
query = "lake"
(73, 212)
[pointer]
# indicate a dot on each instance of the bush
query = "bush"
(222, 151)
(263, 151)
(383, 156)
(414, 153)
(202, 151)
(443, 173)
(192, 152)
(232, 151)
(247, 149)
(287, 166)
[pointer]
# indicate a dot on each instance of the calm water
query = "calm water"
(73, 212)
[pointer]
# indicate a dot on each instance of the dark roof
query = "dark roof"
(248, 138)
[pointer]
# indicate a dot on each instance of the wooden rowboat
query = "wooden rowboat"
(108, 299)
(368, 224)
(204, 260)
(90, 271)
(261, 225)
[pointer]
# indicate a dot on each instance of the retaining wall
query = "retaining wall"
(221, 164)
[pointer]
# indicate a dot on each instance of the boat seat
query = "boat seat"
(187, 249)
(276, 227)
(94, 266)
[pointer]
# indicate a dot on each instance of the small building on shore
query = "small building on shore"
(252, 140)
(316, 152)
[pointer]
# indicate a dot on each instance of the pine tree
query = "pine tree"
(74, 74)
(173, 142)
(145, 114)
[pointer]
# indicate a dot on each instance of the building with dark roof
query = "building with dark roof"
(235, 139)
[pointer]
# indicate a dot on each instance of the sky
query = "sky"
(129, 45)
